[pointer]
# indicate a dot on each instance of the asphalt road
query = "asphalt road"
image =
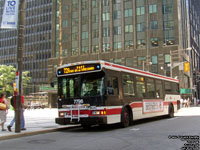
(151, 134)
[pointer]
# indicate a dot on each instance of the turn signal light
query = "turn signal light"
(102, 112)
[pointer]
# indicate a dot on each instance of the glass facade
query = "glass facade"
(37, 38)
(168, 22)
(140, 23)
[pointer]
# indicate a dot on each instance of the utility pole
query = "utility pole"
(20, 49)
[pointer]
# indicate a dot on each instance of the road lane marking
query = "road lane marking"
(173, 118)
(135, 129)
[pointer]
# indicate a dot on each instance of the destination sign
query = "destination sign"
(79, 68)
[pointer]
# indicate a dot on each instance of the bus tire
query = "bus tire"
(125, 117)
(171, 111)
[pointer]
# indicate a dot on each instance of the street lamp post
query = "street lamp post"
(20, 49)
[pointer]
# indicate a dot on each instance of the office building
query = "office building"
(151, 35)
(37, 46)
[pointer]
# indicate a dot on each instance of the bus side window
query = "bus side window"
(140, 87)
(128, 85)
(175, 88)
(159, 89)
(112, 86)
(168, 88)
(150, 88)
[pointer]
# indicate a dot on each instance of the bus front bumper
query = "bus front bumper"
(88, 121)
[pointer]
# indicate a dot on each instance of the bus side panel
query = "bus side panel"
(138, 110)
(111, 119)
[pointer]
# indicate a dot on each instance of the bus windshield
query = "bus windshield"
(84, 85)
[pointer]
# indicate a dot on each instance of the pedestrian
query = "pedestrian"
(188, 102)
(3, 113)
(195, 101)
(185, 102)
(181, 101)
(22, 116)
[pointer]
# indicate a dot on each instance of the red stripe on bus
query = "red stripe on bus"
(138, 71)
(136, 105)
(114, 111)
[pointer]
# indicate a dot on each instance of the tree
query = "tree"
(7, 78)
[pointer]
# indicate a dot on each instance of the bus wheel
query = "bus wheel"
(125, 118)
(171, 111)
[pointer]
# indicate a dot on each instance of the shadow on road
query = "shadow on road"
(106, 128)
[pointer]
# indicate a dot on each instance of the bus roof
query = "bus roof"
(121, 68)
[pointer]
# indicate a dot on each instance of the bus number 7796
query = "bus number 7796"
(100, 92)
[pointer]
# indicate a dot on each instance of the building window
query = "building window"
(74, 51)
(117, 30)
(95, 3)
(117, 45)
(117, 61)
(167, 62)
(154, 60)
(84, 50)
(95, 48)
(106, 47)
(140, 27)
(84, 35)
(105, 2)
(128, 28)
(106, 16)
(95, 18)
(116, 14)
(154, 42)
(95, 33)
(140, 11)
(167, 9)
(128, 12)
(141, 43)
(153, 25)
(152, 8)
(141, 60)
(129, 62)
(106, 32)
(116, 1)
(128, 44)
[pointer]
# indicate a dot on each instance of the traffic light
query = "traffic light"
(186, 66)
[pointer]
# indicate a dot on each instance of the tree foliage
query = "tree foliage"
(7, 78)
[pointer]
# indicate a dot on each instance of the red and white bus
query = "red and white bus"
(100, 92)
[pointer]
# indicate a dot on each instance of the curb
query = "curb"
(31, 133)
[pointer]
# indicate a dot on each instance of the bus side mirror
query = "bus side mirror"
(52, 84)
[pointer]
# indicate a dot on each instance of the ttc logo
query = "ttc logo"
(11, 3)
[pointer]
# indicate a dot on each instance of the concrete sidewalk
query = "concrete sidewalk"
(36, 122)
(40, 121)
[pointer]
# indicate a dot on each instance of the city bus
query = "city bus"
(100, 92)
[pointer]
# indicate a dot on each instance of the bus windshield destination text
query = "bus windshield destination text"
(81, 68)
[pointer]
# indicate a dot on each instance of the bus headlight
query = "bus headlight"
(61, 114)
(96, 112)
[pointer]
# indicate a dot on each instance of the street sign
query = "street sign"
(186, 91)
